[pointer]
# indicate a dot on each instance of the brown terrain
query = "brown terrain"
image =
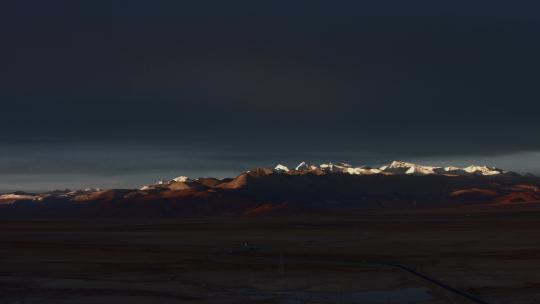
(491, 252)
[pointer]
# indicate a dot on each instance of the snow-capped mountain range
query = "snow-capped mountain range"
(394, 168)
(304, 188)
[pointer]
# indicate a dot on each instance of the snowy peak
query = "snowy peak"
(400, 167)
(331, 167)
(303, 166)
(173, 183)
(422, 170)
(181, 179)
(281, 168)
(400, 164)
(483, 170)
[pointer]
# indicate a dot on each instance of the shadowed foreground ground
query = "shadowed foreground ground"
(493, 255)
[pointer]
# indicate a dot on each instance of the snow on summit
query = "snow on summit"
(395, 167)
(281, 168)
(484, 170)
(181, 179)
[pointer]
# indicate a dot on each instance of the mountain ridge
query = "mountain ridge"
(324, 188)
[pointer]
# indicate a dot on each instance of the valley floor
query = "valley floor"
(492, 253)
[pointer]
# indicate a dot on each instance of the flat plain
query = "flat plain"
(491, 252)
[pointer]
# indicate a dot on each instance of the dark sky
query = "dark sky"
(113, 93)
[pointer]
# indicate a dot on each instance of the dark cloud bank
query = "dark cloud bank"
(112, 93)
